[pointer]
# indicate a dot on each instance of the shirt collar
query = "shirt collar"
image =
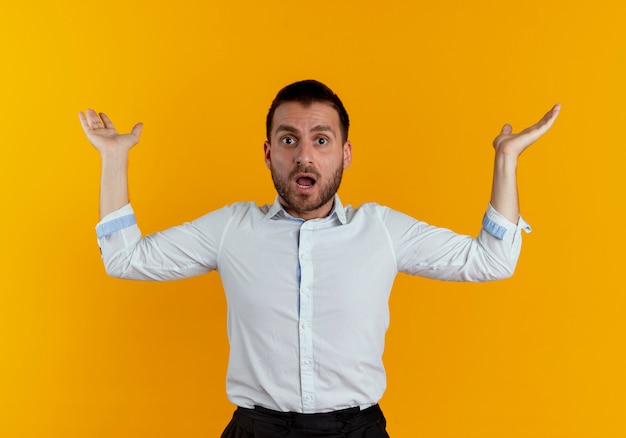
(338, 209)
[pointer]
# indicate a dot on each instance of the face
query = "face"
(307, 157)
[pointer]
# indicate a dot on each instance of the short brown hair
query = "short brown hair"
(307, 92)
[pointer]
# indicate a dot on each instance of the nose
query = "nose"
(304, 153)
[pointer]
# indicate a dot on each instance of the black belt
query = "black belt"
(344, 420)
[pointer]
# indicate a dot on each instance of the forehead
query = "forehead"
(305, 117)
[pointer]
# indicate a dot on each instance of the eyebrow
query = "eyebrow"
(316, 128)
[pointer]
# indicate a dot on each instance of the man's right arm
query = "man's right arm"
(113, 148)
(178, 252)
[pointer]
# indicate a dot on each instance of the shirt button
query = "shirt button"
(308, 397)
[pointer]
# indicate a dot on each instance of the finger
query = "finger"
(106, 121)
(554, 113)
(551, 115)
(506, 129)
(546, 122)
(83, 121)
(93, 121)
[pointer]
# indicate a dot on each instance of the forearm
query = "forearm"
(113, 148)
(504, 195)
(113, 181)
(509, 147)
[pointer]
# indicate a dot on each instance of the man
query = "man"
(307, 280)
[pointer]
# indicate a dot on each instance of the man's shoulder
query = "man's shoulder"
(366, 206)
(369, 210)
(365, 209)
(240, 208)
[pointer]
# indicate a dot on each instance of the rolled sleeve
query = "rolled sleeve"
(116, 230)
(116, 221)
(497, 225)
(501, 239)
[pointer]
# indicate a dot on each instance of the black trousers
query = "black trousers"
(348, 423)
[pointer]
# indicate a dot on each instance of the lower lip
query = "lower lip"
(304, 189)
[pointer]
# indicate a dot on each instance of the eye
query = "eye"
(288, 141)
(322, 141)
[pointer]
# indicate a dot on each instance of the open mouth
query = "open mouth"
(305, 182)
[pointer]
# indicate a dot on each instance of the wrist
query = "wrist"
(114, 157)
(506, 159)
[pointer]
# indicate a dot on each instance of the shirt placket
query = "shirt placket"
(307, 377)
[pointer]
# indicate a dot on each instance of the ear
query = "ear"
(266, 150)
(347, 154)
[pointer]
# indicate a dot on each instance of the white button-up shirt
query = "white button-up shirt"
(307, 300)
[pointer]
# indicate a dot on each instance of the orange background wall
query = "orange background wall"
(428, 85)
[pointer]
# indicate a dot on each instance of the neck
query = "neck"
(317, 213)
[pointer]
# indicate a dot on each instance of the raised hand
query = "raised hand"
(508, 147)
(113, 148)
(102, 134)
(513, 145)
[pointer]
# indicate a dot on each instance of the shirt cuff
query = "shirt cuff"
(497, 225)
(115, 221)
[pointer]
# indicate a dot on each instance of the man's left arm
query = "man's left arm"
(508, 147)
(438, 253)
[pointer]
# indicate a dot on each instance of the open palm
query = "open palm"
(514, 144)
(102, 133)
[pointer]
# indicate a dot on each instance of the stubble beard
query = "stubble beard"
(303, 203)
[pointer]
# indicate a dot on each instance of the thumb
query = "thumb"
(136, 131)
(506, 129)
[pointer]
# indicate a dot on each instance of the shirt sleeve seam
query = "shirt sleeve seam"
(388, 235)
(218, 253)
